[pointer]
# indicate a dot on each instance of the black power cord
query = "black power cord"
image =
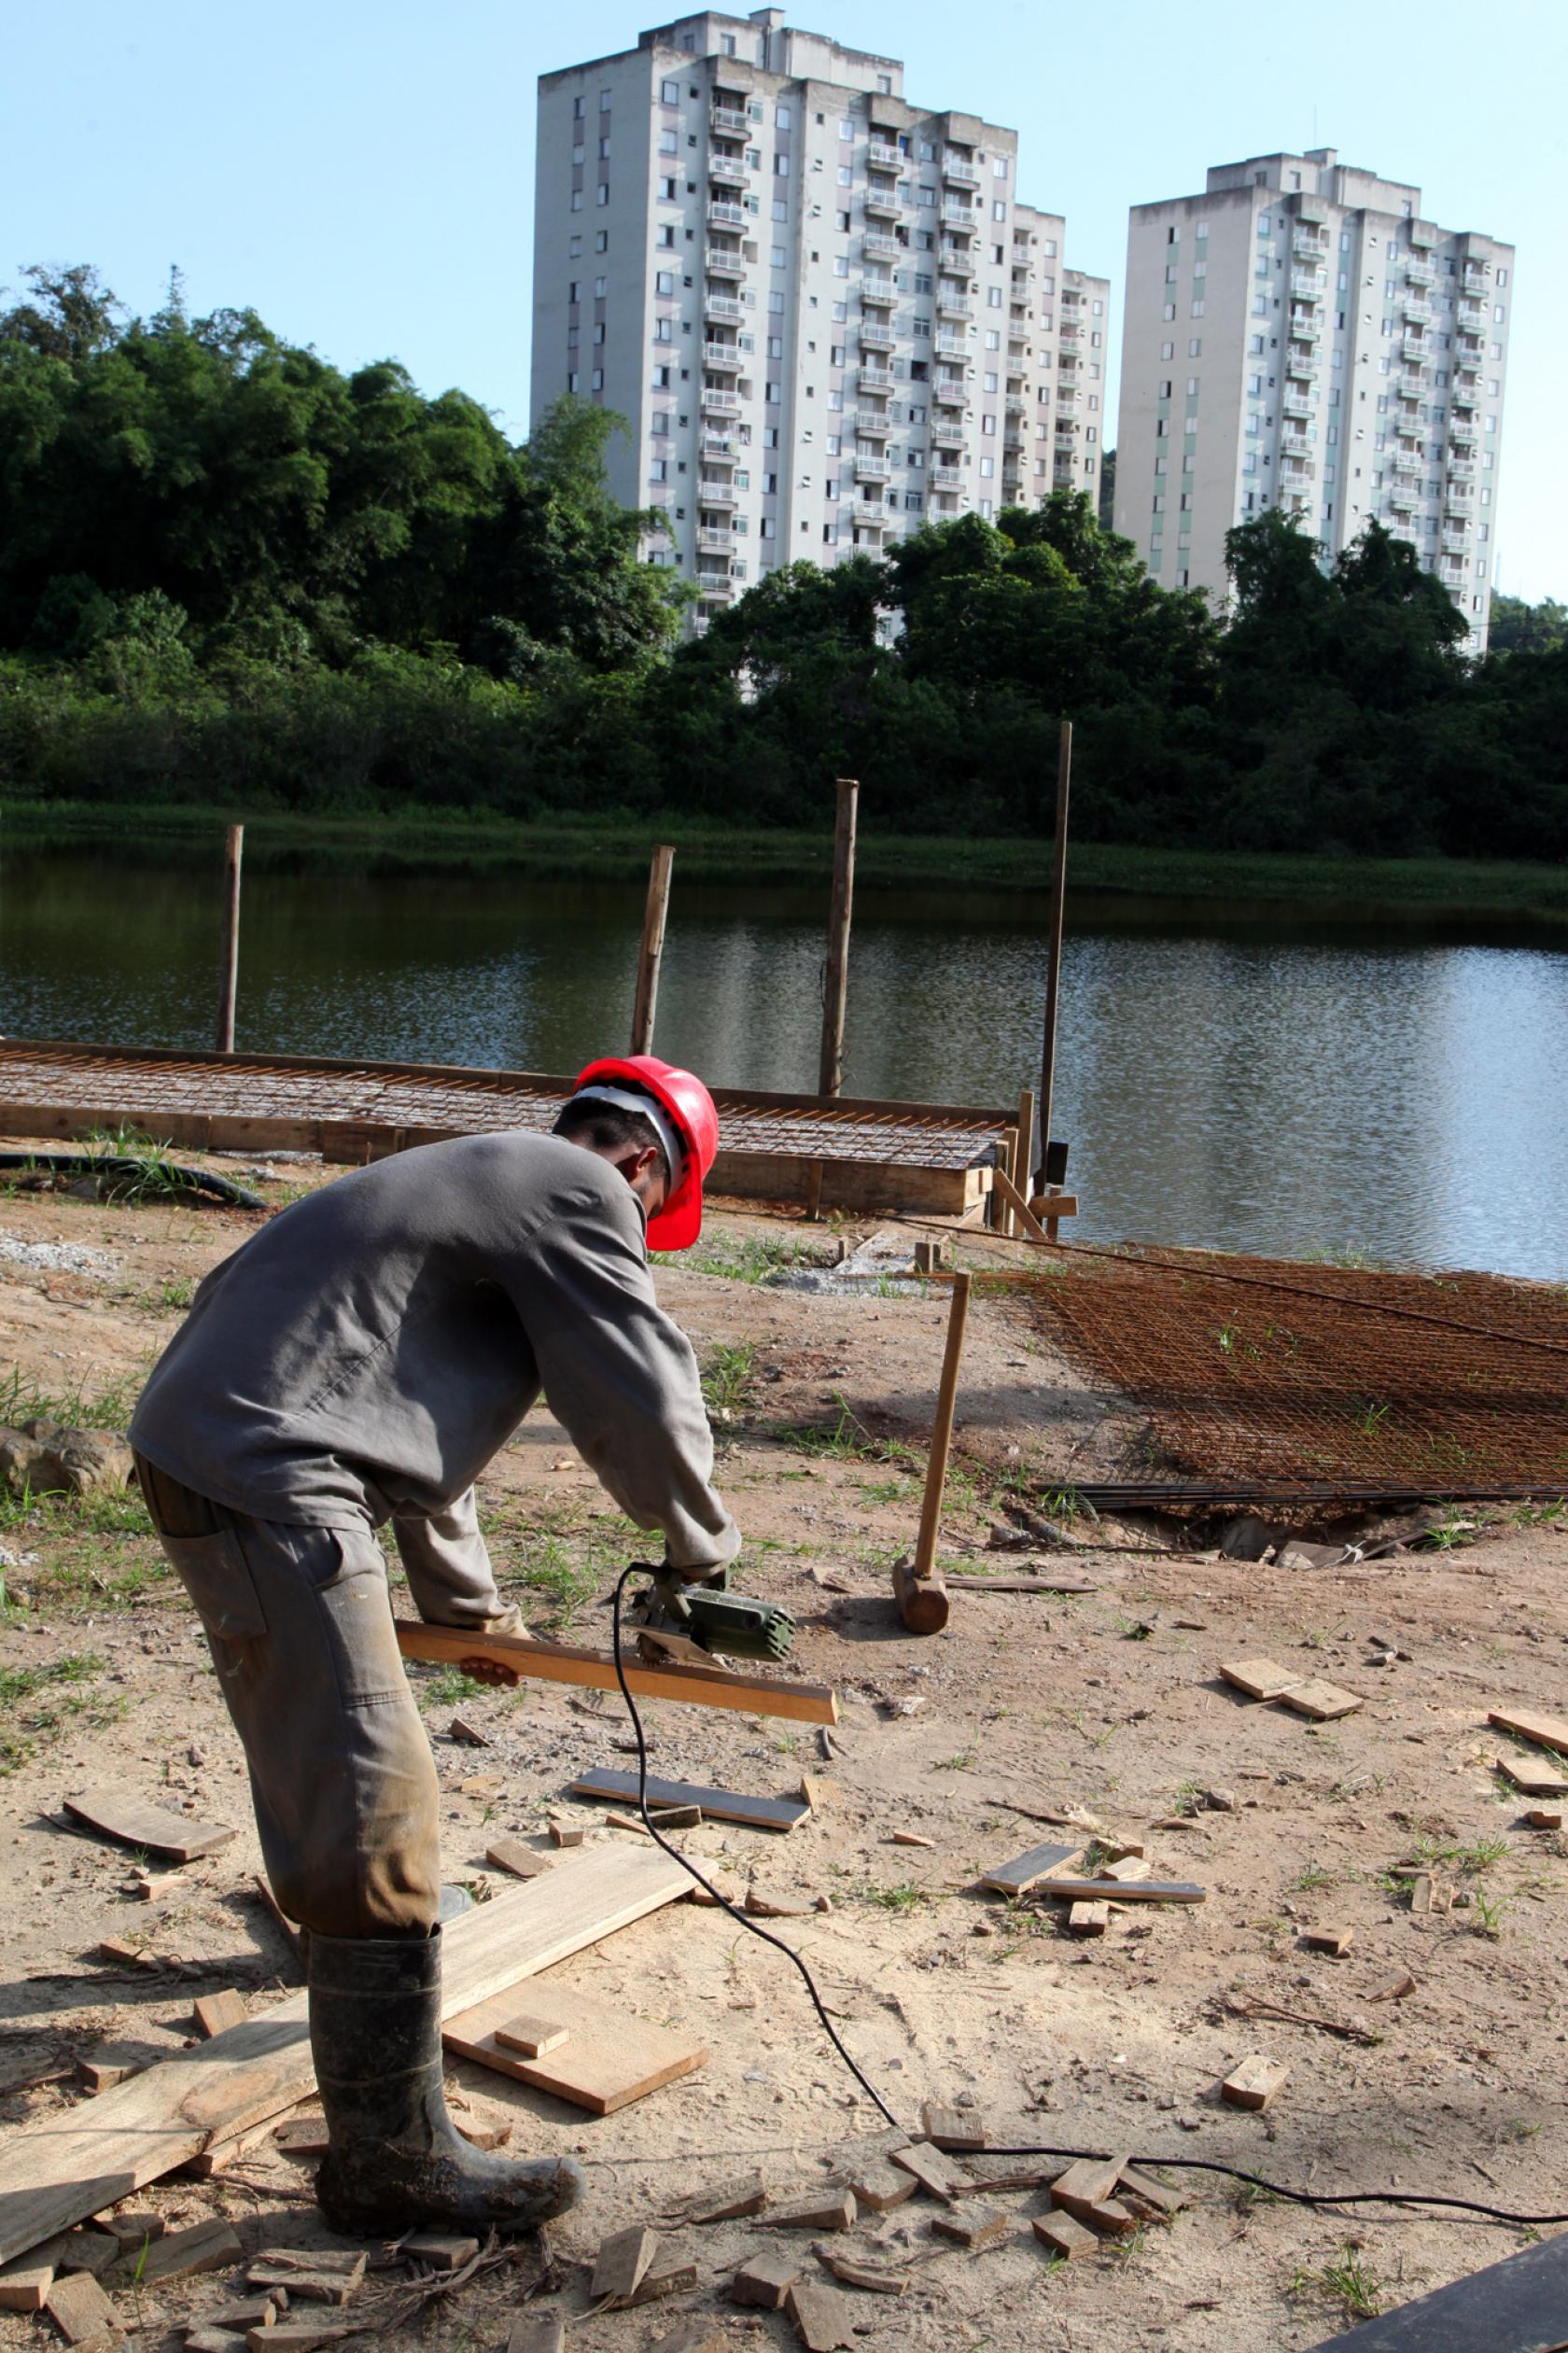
(1032, 2149)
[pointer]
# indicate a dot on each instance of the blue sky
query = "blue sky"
(363, 175)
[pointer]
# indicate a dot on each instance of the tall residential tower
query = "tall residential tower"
(822, 310)
(1299, 336)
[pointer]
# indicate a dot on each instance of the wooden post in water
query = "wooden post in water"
(228, 962)
(1053, 968)
(835, 987)
(653, 919)
(918, 1587)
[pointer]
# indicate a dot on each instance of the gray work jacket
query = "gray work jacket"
(371, 1347)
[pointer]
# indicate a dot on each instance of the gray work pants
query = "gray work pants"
(299, 1624)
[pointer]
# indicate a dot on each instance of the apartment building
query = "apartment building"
(821, 308)
(1300, 336)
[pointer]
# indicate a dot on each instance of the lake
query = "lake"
(1227, 1077)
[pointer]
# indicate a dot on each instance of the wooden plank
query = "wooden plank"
(1026, 1871)
(1255, 2082)
(974, 2228)
(23, 2286)
(1143, 2189)
(1532, 1780)
(1087, 2183)
(824, 2318)
(955, 2130)
(608, 2059)
(825, 2212)
(80, 2162)
(765, 2281)
(130, 1821)
(1547, 1731)
(561, 1662)
(719, 1805)
(878, 2186)
(523, 1862)
(1260, 1679)
(1062, 1205)
(967, 1584)
(934, 2172)
(1147, 1891)
(1064, 2236)
(530, 2036)
(1336, 1942)
(538, 2332)
(80, 2310)
(1088, 1919)
(213, 2013)
(1325, 1703)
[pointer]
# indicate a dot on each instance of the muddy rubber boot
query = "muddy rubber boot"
(395, 2161)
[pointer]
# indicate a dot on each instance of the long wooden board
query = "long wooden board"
(1120, 1891)
(89, 2156)
(1547, 1731)
(560, 1662)
(722, 1805)
(132, 1822)
(607, 2060)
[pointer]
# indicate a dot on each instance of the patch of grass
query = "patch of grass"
(962, 1760)
(1486, 1914)
(1353, 2284)
(902, 1897)
(81, 1407)
(450, 1688)
(179, 1291)
(1478, 1856)
(1188, 1798)
(845, 1440)
(19, 1684)
(740, 1258)
(729, 1380)
(1312, 1875)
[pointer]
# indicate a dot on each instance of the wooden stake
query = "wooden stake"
(1001, 1219)
(1018, 1167)
(652, 947)
(918, 1587)
(835, 994)
(229, 961)
(1053, 968)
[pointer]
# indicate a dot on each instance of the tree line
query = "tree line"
(232, 574)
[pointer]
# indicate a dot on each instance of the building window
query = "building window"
(604, 101)
(670, 94)
(601, 194)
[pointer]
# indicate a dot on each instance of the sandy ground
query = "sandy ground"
(1107, 1705)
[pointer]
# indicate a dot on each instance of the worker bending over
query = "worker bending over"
(360, 1360)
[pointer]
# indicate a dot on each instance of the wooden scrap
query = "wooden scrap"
(716, 1805)
(929, 2168)
(973, 2228)
(87, 2250)
(1336, 1942)
(1145, 1890)
(1087, 2183)
(210, 2338)
(763, 1906)
(813, 1793)
(1112, 2219)
(1255, 2082)
(1088, 1919)
(300, 2336)
(442, 2250)
(511, 1855)
(621, 2263)
(668, 2277)
(252, 2312)
(1423, 1886)
(212, 2012)
(823, 2318)
(836, 2212)
(102, 2075)
(1119, 1850)
(132, 2230)
(1143, 2192)
(764, 2280)
(853, 2275)
(466, 1734)
(675, 1817)
(493, 2136)
(80, 2310)
(1064, 2236)
(910, 1838)
(1026, 1870)
(1394, 1989)
(1544, 1817)
(734, 2208)
(302, 2136)
(1017, 2177)
(531, 2035)
(693, 2336)
(1325, 1703)
(1260, 1679)
(953, 2129)
(26, 2283)
(347, 2259)
(627, 1822)
(879, 2186)
(568, 1833)
(311, 2286)
(156, 1887)
(1547, 1731)
(608, 2060)
(1130, 1868)
(152, 1828)
(288, 1929)
(538, 2332)
(127, 1952)
(1534, 1780)
(519, 1655)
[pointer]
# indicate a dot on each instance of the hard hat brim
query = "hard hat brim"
(677, 1226)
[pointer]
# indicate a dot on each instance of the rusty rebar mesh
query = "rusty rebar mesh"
(1242, 1382)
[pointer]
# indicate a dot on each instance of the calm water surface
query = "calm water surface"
(1221, 1082)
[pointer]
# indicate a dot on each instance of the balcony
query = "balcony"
(885, 204)
(714, 441)
(729, 171)
(1295, 444)
(1455, 543)
(1414, 348)
(712, 539)
(730, 119)
(717, 304)
(947, 477)
(953, 303)
(871, 466)
(875, 379)
(1301, 361)
(1461, 497)
(1307, 285)
(728, 355)
(1471, 315)
(1070, 330)
(1417, 308)
(1307, 246)
(1067, 395)
(1013, 403)
(1462, 471)
(883, 157)
(723, 216)
(868, 515)
(1474, 280)
(877, 246)
(879, 290)
(960, 170)
(1296, 405)
(876, 335)
(957, 215)
(873, 421)
(949, 392)
(711, 493)
(1066, 427)
(719, 401)
(1408, 461)
(1305, 330)
(1402, 498)
(717, 585)
(1410, 387)
(724, 262)
(947, 428)
(1419, 271)
(950, 344)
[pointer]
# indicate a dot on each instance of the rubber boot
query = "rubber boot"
(395, 2161)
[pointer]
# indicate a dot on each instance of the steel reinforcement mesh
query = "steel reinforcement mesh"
(1298, 1373)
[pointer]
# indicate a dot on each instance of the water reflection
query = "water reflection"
(1401, 1097)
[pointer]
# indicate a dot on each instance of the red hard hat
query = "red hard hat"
(686, 1101)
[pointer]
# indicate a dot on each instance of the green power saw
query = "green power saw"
(674, 1619)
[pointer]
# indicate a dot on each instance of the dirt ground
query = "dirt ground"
(1106, 1706)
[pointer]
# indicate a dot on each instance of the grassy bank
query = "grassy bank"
(615, 849)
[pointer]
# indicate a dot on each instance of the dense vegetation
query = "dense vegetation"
(232, 576)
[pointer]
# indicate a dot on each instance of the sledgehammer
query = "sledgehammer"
(918, 1587)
